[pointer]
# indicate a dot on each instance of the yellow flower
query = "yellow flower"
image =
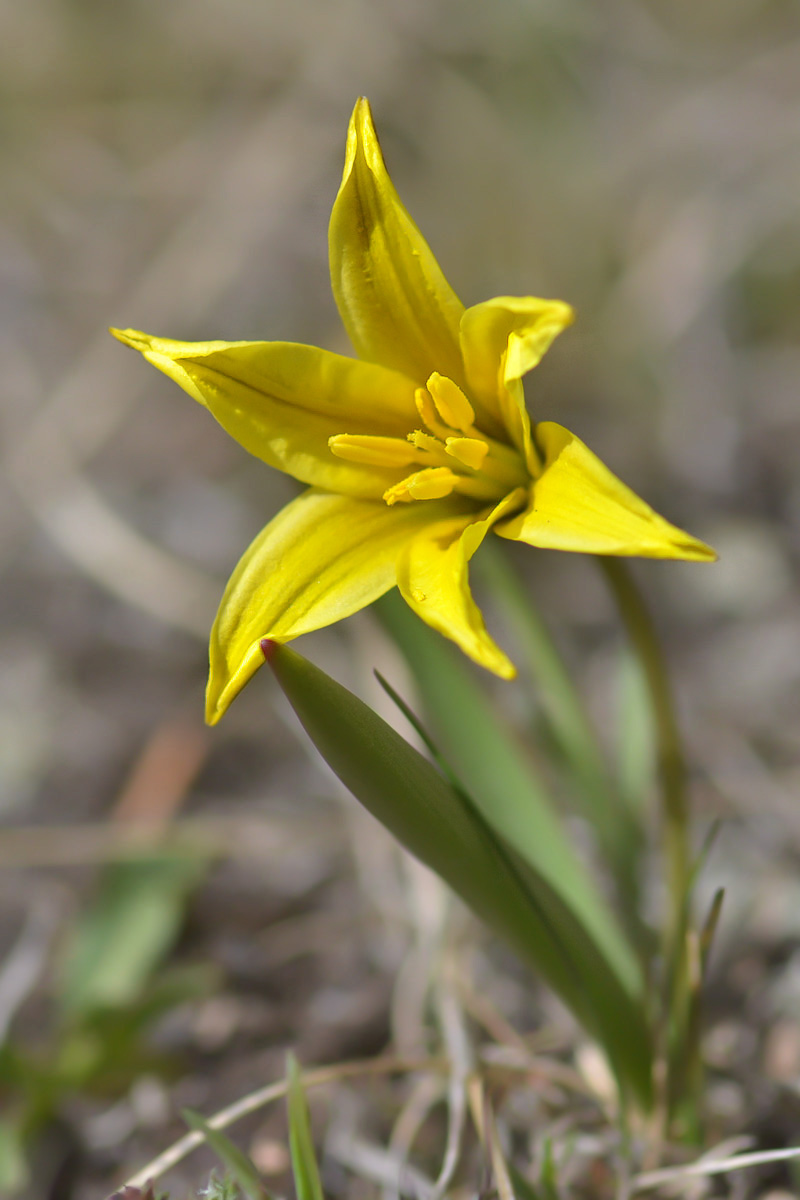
(412, 454)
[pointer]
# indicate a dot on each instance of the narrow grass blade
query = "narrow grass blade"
(524, 1189)
(234, 1159)
(420, 730)
(710, 928)
(683, 1015)
(304, 1160)
(441, 827)
(548, 1172)
(686, 1066)
(501, 778)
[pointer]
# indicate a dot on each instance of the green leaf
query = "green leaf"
(709, 929)
(421, 732)
(636, 738)
(547, 1188)
(445, 830)
(230, 1155)
(121, 939)
(13, 1166)
(501, 778)
(523, 1188)
(304, 1160)
(106, 1046)
(548, 1173)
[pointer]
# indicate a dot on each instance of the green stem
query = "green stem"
(616, 828)
(672, 776)
(669, 748)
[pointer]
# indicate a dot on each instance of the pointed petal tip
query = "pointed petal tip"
(224, 683)
(131, 337)
(683, 547)
(362, 138)
(361, 119)
(215, 709)
(218, 701)
(693, 550)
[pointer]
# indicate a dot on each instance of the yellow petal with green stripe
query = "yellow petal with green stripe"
(432, 575)
(320, 559)
(395, 303)
(578, 504)
(283, 401)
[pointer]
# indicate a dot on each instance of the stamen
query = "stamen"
(469, 451)
(374, 451)
(451, 404)
(428, 415)
(430, 484)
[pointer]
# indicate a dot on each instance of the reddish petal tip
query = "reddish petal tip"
(268, 648)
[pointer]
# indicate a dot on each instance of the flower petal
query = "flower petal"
(395, 303)
(432, 575)
(577, 504)
(282, 401)
(320, 559)
(503, 339)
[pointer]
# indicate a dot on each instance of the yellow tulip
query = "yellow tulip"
(413, 452)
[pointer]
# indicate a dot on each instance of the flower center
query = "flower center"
(450, 454)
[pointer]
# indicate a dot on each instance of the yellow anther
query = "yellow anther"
(451, 404)
(428, 415)
(470, 451)
(430, 484)
(373, 451)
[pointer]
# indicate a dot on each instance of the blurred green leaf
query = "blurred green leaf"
(103, 1047)
(96, 1052)
(501, 779)
(523, 1188)
(547, 1187)
(13, 1166)
(636, 738)
(236, 1161)
(133, 922)
(444, 829)
(709, 928)
(548, 1173)
(304, 1160)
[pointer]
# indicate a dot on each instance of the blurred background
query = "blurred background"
(171, 167)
